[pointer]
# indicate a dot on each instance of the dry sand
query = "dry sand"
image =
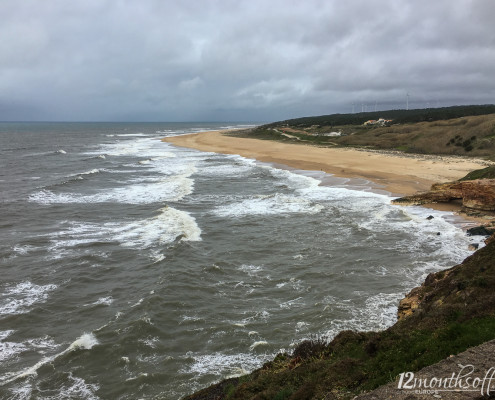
(398, 174)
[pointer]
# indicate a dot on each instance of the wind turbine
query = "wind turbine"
(407, 101)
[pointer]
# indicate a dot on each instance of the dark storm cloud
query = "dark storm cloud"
(256, 60)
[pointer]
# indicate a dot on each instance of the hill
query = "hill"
(398, 116)
(460, 130)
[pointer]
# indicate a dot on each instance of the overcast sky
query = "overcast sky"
(240, 60)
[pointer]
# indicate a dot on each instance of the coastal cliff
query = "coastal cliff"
(450, 312)
(476, 192)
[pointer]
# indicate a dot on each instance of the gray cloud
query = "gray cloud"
(223, 60)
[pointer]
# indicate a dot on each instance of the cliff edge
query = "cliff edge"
(476, 191)
(453, 311)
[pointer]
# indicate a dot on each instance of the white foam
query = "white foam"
(77, 388)
(61, 151)
(169, 189)
(301, 326)
(293, 180)
(86, 341)
(140, 301)
(150, 341)
(166, 227)
(241, 166)
(18, 298)
(9, 350)
(269, 205)
(132, 135)
(251, 270)
(224, 364)
(291, 303)
(138, 147)
(139, 376)
(5, 334)
(23, 249)
(22, 392)
(259, 343)
(90, 172)
(106, 301)
(377, 312)
(42, 344)
(179, 168)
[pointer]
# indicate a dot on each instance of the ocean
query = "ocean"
(131, 268)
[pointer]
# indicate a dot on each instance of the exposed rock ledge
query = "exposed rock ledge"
(478, 194)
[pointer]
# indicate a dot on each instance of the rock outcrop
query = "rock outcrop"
(478, 194)
(451, 311)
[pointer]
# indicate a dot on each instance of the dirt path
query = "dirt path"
(482, 360)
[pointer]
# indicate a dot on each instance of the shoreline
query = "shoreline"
(411, 174)
(426, 308)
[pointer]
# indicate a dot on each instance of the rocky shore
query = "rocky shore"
(451, 312)
(475, 195)
(478, 194)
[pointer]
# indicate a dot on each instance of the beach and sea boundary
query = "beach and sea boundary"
(399, 174)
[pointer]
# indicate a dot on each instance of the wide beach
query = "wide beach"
(399, 174)
(159, 270)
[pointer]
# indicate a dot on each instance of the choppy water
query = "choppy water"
(134, 269)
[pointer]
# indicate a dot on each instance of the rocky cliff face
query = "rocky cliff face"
(451, 311)
(478, 194)
(466, 288)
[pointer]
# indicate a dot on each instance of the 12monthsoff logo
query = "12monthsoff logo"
(463, 380)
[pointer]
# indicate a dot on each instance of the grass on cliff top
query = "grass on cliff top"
(472, 136)
(457, 311)
(485, 173)
(398, 116)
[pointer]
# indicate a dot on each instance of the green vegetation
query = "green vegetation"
(399, 116)
(456, 311)
(462, 130)
(485, 173)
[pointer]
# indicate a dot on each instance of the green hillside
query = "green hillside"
(460, 130)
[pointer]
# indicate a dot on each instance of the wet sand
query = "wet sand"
(397, 173)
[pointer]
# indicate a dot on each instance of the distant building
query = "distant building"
(379, 122)
(334, 134)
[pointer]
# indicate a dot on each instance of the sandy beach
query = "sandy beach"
(396, 173)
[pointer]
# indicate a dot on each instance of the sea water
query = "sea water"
(131, 268)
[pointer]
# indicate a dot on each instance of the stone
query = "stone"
(477, 194)
(490, 239)
(479, 231)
